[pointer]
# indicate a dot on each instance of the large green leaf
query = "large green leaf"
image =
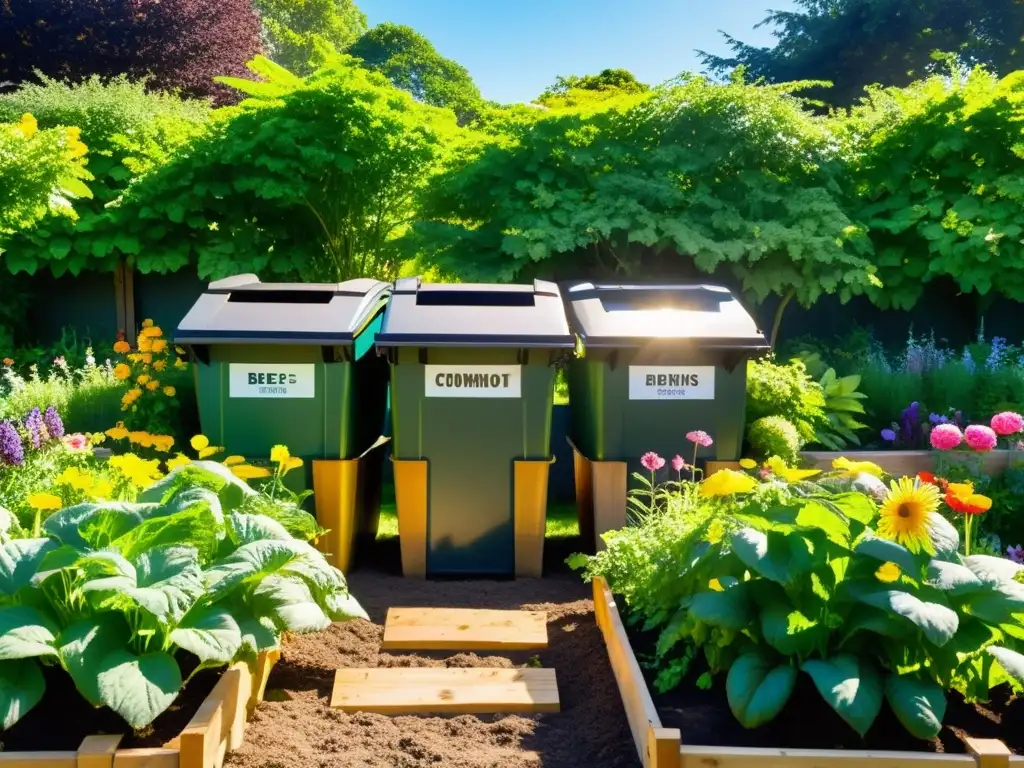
(194, 527)
(865, 618)
(919, 704)
(851, 686)
(21, 688)
(855, 506)
(1011, 661)
(886, 551)
(257, 633)
(938, 622)
(819, 517)
(93, 525)
(787, 630)
(730, 608)
(211, 633)
(252, 562)
(775, 556)
(164, 582)
(19, 561)
(944, 536)
(998, 605)
(288, 603)
(138, 688)
(84, 646)
(756, 690)
(953, 578)
(993, 570)
(341, 606)
(231, 491)
(26, 632)
(249, 528)
(194, 499)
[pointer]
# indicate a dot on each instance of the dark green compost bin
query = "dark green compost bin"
(659, 361)
(472, 383)
(293, 364)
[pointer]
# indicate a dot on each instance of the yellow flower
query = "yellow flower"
(142, 380)
(180, 364)
(179, 350)
(68, 477)
(716, 531)
(199, 442)
(163, 443)
(135, 357)
(101, 489)
(118, 432)
(178, 461)
(143, 439)
(28, 127)
(75, 146)
(170, 391)
(122, 347)
(888, 572)
(748, 463)
(151, 331)
(206, 453)
(122, 371)
(96, 438)
(715, 586)
(145, 344)
(43, 501)
(778, 467)
(279, 454)
(147, 323)
(249, 472)
(854, 468)
(905, 512)
(232, 461)
(139, 472)
(153, 385)
(147, 358)
(159, 345)
(159, 366)
(726, 482)
(960, 490)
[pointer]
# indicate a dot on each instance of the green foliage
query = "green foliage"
(775, 436)
(792, 577)
(40, 172)
(295, 31)
(308, 179)
(87, 396)
(129, 133)
(937, 184)
(853, 44)
(787, 391)
(115, 593)
(411, 63)
(843, 405)
(734, 176)
(572, 90)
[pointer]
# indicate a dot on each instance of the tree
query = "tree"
(718, 177)
(855, 43)
(129, 132)
(309, 179)
(937, 181)
(621, 80)
(180, 44)
(412, 63)
(293, 30)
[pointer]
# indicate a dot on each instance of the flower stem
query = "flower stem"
(693, 466)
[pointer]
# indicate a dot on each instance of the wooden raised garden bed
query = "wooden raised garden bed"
(215, 730)
(660, 747)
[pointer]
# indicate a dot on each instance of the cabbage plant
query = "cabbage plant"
(114, 591)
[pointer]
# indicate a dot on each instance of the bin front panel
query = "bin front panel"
(471, 444)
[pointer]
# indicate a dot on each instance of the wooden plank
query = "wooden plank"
(411, 502)
(609, 478)
(740, 757)
(442, 690)
(461, 629)
(584, 482)
(991, 753)
(636, 699)
(119, 302)
(98, 751)
(530, 500)
(264, 664)
(39, 759)
(146, 758)
(662, 748)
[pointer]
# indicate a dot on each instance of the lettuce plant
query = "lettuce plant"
(114, 591)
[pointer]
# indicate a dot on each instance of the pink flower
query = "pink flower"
(1007, 423)
(700, 437)
(77, 442)
(946, 437)
(980, 438)
(652, 462)
(678, 463)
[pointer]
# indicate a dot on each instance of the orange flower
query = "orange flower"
(145, 344)
(147, 358)
(153, 385)
(968, 504)
(159, 345)
(122, 371)
(159, 365)
(122, 347)
(8, 362)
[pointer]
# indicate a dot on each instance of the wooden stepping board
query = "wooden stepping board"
(443, 690)
(461, 629)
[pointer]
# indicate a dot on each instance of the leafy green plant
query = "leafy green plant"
(842, 405)
(774, 389)
(115, 592)
(775, 436)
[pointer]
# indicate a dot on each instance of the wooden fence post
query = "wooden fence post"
(991, 753)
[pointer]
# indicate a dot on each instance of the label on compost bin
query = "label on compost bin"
(473, 381)
(272, 380)
(671, 382)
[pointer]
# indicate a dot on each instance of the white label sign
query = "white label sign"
(473, 381)
(671, 382)
(272, 380)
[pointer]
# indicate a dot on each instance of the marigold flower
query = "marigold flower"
(122, 347)
(117, 432)
(147, 358)
(152, 332)
(135, 357)
(147, 323)
(8, 362)
(726, 482)
(180, 460)
(159, 365)
(153, 385)
(170, 391)
(163, 443)
(279, 454)
(44, 501)
(145, 344)
(101, 489)
(159, 345)
(142, 380)
(122, 371)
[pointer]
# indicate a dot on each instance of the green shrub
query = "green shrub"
(786, 391)
(775, 436)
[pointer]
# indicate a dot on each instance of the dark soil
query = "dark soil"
(807, 722)
(295, 728)
(63, 718)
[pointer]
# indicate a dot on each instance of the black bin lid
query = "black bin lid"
(475, 315)
(242, 310)
(626, 316)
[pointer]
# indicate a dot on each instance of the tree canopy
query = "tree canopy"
(606, 80)
(178, 44)
(412, 63)
(293, 30)
(855, 43)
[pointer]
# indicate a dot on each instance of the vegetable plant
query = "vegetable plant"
(115, 592)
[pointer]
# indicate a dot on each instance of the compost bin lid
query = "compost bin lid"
(475, 315)
(613, 315)
(243, 310)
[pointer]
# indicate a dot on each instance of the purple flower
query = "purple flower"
(889, 436)
(54, 424)
(1016, 554)
(910, 421)
(11, 450)
(938, 418)
(35, 426)
(652, 462)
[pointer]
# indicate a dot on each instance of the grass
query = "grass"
(561, 522)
